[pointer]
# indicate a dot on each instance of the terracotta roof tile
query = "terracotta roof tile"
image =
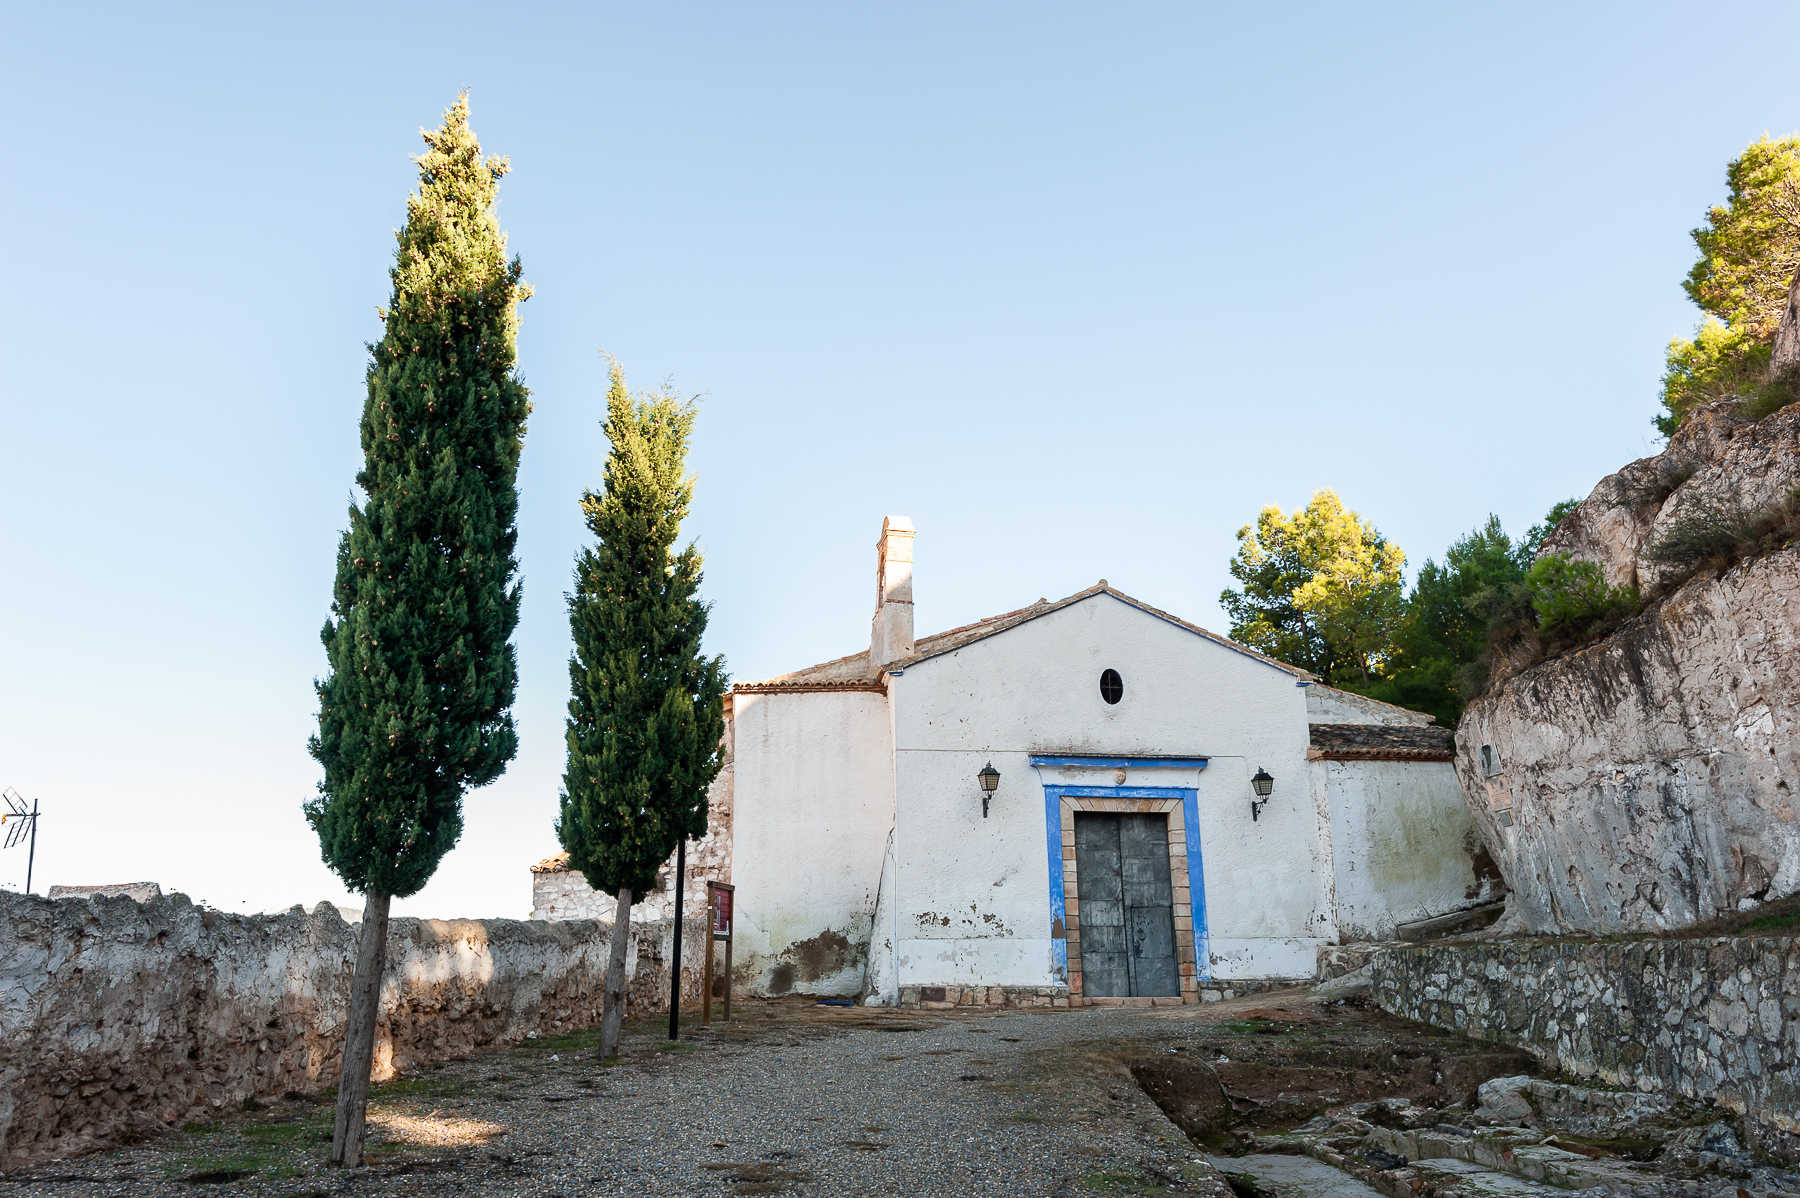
(1379, 742)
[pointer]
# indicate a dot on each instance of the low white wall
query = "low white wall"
(120, 1018)
(813, 804)
(1403, 845)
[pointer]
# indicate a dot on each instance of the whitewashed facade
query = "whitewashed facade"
(864, 863)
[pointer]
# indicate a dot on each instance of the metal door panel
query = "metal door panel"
(1149, 905)
(1126, 913)
(1102, 937)
(1105, 975)
(1097, 914)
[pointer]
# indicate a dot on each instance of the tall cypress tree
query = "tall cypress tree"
(645, 712)
(415, 707)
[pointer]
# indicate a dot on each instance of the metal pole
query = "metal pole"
(712, 920)
(675, 966)
(31, 853)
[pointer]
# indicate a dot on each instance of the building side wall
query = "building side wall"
(1403, 844)
(813, 804)
(973, 895)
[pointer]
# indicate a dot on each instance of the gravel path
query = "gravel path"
(789, 1099)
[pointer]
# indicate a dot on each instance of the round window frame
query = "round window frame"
(1117, 681)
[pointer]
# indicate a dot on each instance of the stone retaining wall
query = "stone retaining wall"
(119, 1017)
(1715, 1019)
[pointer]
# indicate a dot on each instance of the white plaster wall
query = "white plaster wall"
(814, 801)
(1402, 842)
(973, 896)
(1329, 705)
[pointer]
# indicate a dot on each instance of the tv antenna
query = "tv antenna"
(19, 824)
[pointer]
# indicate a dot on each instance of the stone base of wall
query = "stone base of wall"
(120, 1017)
(943, 998)
(1709, 1019)
(1218, 990)
(940, 998)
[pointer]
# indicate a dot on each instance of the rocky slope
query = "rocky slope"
(1649, 780)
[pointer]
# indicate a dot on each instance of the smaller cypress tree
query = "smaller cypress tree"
(645, 709)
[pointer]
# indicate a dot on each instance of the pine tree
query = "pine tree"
(415, 707)
(645, 710)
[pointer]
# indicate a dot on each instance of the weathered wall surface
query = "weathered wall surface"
(1707, 1019)
(813, 806)
(1403, 846)
(973, 903)
(1329, 705)
(1650, 779)
(118, 1016)
(558, 892)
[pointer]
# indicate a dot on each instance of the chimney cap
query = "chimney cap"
(897, 524)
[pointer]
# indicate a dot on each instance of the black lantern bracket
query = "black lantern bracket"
(989, 777)
(1262, 785)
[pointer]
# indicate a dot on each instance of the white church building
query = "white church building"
(1086, 800)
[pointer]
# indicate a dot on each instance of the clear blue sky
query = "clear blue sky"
(1077, 287)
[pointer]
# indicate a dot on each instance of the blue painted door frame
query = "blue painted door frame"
(1190, 818)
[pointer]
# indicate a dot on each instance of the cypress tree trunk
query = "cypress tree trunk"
(359, 1037)
(612, 1011)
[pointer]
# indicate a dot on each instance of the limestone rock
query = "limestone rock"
(1787, 335)
(1716, 457)
(1648, 781)
(1502, 1100)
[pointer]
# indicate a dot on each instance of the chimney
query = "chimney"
(891, 631)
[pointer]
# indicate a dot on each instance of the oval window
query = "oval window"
(1112, 687)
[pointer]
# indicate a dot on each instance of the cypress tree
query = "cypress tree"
(414, 709)
(645, 710)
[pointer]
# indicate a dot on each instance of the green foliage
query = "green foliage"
(1534, 538)
(1444, 630)
(1321, 590)
(645, 712)
(1749, 249)
(1772, 396)
(1573, 601)
(1719, 530)
(415, 706)
(1717, 363)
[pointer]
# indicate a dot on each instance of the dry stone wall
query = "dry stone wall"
(119, 1017)
(1701, 1018)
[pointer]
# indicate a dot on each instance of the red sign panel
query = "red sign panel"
(721, 913)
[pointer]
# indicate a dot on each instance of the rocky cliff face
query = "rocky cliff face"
(1649, 780)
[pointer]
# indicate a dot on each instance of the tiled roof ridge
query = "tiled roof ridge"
(939, 643)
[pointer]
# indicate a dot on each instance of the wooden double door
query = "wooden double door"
(1127, 912)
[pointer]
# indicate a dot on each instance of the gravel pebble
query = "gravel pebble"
(789, 1099)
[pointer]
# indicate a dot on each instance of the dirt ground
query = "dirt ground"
(793, 1097)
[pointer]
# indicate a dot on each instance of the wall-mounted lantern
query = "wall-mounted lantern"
(989, 777)
(1263, 784)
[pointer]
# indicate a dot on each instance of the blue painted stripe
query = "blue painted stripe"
(1167, 763)
(1190, 818)
(1059, 944)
